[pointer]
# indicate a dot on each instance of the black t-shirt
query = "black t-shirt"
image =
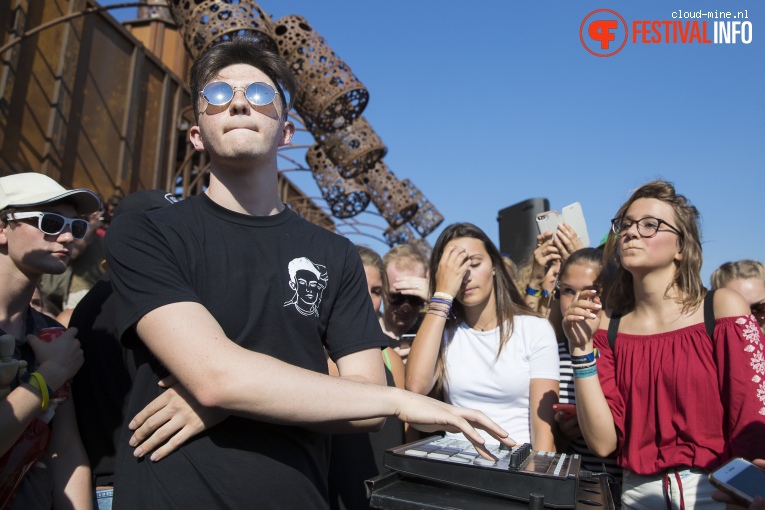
(103, 383)
(277, 285)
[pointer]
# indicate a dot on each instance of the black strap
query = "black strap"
(709, 313)
(709, 320)
(613, 328)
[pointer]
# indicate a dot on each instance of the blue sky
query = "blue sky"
(485, 104)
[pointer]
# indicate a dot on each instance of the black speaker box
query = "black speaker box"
(518, 228)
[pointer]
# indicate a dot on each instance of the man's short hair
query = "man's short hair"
(405, 256)
(242, 50)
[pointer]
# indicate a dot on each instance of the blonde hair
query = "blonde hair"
(405, 256)
(743, 269)
(371, 258)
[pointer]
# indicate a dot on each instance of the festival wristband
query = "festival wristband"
(585, 372)
(37, 381)
(536, 292)
(585, 358)
(443, 295)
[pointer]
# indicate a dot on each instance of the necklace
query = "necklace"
(483, 328)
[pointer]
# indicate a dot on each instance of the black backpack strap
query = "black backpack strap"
(613, 329)
(709, 313)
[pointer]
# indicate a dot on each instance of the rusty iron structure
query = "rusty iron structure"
(354, 148)
(345, 197)
(399, 235)
(404, 235)
(206, 22)
(427, 218)
(155, 9)
(330, 96)
(389, 194)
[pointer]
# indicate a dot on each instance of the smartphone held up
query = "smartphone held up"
(571, 214)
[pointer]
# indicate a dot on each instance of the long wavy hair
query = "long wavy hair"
(508, 300)
(687, 279)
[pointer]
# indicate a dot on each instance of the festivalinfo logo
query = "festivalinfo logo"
(604, 32)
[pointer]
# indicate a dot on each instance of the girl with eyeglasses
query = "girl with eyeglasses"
(583, 269)
(480, 345)
(671, 391)
(747, 277)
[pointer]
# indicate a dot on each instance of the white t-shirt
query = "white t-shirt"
(475, 378)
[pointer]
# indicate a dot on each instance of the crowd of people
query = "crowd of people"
(222, 352)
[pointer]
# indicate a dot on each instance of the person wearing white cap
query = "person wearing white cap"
(39, 219)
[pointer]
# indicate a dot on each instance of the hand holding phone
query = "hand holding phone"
(405, 342)
(571, 214)
(568, 410)
(740, 479)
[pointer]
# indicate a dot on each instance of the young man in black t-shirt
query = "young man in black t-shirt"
(237, 297)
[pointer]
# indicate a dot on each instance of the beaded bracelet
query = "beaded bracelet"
(441, 309)
(585, 372)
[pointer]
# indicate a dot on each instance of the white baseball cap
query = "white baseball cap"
(32, 188)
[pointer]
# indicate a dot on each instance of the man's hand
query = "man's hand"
(60, 359)
(429, 415)
(169, 421)
(412, 286)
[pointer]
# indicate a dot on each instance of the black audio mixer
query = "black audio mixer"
(518, 472)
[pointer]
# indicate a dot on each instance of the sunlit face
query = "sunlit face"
(34, 252)
(239, 131)
(402, 316)
(641, 253)
(478, 288)
(578, 277)
(753, 290)
(374, 286)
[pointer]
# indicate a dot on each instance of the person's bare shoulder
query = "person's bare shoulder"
(729, 303)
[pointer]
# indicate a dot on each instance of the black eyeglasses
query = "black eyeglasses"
(646, 227)
(397, 299)
(220, 93)
(53, 224)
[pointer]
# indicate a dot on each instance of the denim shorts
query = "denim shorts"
(102, 499)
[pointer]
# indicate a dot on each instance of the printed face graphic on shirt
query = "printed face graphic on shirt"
(308, 280)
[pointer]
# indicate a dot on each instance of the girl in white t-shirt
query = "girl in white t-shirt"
(480, 345)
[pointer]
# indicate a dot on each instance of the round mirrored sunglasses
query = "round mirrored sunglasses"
(53, 224)
(220, 93)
